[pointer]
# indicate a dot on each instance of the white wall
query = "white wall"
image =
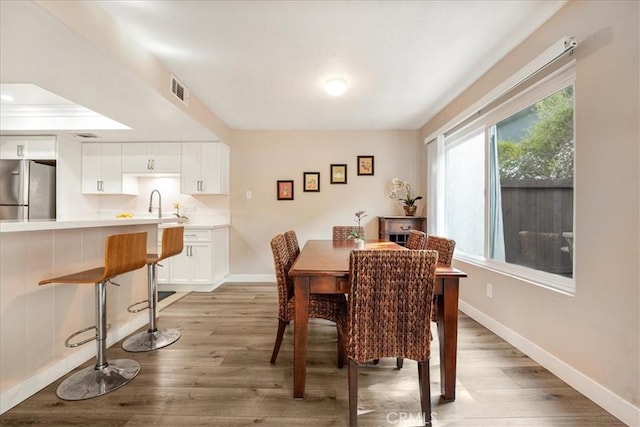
(591, 339)
(260, 158)
(70, 203)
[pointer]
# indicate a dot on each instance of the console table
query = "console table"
(396, 228)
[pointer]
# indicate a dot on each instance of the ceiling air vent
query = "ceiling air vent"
(178, 89)
(86, 135)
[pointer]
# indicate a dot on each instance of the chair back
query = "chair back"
(417, 239)
(390, 304)
(342, 232)
(444, 246)
(172, 242)
(292, 244)
(282, 263)
(124, 253)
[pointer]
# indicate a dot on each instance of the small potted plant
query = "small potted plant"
(401, 192)
(177, 206)
(355, 233)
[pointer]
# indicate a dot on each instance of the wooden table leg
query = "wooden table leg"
(301, 329)
(448, 336)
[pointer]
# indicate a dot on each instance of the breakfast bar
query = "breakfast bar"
(35, 320)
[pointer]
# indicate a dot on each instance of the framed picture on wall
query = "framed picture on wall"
(339, 173)
(285, 189)
(311, 181)
(365, 165)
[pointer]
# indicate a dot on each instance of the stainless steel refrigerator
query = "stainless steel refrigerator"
(27, 190)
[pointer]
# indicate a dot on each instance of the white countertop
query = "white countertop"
(196, 226)
(12, 226)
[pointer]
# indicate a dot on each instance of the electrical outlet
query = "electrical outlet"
(249, 194)
(489, 290)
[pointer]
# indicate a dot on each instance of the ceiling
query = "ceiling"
(262, 65)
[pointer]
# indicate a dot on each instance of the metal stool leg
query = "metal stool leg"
(154, 338)
(106, 375)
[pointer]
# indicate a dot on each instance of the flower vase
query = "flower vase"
(359, 243)
(410, 210)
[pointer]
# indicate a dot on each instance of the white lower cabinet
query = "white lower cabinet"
(220, 254)
(193, 266)
(197, 268)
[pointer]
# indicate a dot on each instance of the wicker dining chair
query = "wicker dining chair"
(445, 248)
(342, 232)
(329, 307)
(417, 239)
(292, 244)
(389, 305)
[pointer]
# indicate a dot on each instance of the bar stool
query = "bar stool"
(153, 339)
(123, 253)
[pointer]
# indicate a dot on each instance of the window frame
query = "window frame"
(546, 87)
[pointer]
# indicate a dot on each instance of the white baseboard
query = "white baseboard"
(188, 287)
(263, 278)
(49, 374)
(611, 402)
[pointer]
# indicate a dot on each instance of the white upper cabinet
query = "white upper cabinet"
(205, 168)
(28, 147)
(151, 158)
(102, 170)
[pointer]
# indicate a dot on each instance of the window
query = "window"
(464, 192)
(508, 185)
(532, 199)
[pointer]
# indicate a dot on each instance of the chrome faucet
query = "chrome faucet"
(159, 203)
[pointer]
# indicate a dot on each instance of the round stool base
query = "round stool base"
(148, 341)
(91, 382)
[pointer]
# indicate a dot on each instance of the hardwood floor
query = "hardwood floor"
(218, 374)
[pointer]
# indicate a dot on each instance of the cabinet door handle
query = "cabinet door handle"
(97, 185)
(153, 164)
(148, 164)
(20, 150)
(405, 227)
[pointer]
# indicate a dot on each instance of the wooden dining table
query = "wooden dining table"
(323, 268)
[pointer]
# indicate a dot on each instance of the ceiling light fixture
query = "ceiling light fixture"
(335, 86)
